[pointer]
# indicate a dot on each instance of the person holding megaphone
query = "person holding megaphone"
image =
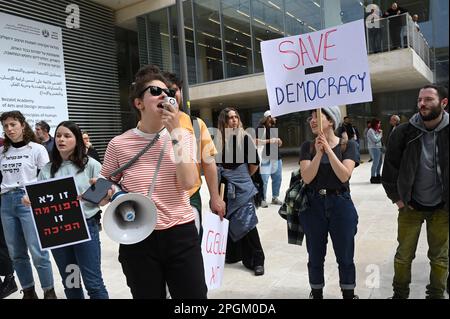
(163, 172)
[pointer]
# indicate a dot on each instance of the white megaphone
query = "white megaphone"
(130, 218)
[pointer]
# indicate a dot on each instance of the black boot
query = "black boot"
(349, 294)
(50, 294)
(316, 294)
(29, 293)
(8, 286)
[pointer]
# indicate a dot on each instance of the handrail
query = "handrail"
(384, 35)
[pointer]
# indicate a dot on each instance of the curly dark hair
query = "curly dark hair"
(78, 157)
(144, 75)
(28, 133)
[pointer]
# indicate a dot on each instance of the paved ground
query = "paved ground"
(286, 274)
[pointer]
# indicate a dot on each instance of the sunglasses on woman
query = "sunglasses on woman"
(157, 91)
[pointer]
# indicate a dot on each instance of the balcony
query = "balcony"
(399, 59)
(399, 55)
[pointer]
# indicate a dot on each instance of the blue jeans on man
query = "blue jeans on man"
(336, 215)
(273, 169)
(20, 236)
(83, 258)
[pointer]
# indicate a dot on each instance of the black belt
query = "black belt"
(328, 191)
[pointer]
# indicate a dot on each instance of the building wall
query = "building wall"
(223, 47)
(90, 63)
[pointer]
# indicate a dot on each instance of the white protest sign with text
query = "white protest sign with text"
(32, 78)
(323, 68)
(214, 246)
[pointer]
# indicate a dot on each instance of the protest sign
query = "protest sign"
(214, 246)
(324, 68)
(57, 214)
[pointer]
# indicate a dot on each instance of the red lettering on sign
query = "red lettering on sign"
(326, 46)
(308, 52)
(290, 52)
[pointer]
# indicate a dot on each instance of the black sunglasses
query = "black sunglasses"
(157, 91)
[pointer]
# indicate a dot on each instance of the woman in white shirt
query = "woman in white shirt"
(20, 159)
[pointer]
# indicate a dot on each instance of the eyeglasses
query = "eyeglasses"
(157, 91)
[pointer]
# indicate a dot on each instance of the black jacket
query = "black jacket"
(403, 158)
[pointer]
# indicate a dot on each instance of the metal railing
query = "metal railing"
(396, 32)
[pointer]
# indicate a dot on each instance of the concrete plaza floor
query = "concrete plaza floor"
(286, 275)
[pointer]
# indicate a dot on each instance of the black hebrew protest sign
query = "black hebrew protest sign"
(323, 68)
(57, 214)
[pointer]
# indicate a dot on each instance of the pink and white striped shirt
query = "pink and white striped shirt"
(172, 202)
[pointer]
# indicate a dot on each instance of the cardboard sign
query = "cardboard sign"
(214, 246)
(324, 68)
(57, 214)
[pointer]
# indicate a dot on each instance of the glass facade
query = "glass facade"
(223, 37)
(223, 40)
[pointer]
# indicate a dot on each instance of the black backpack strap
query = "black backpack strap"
(197, 133)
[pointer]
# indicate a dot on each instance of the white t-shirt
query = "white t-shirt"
(19, 166)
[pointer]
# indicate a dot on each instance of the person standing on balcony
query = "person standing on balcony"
(415, 19)
(396, 21)
(373, 28)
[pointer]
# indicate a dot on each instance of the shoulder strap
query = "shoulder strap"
(197, 133)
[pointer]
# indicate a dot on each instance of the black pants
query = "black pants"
(248, 249)
(6, 267)
(171, 256)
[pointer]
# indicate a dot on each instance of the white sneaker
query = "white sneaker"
(264, 204)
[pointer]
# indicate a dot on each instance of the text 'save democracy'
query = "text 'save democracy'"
(324, 87)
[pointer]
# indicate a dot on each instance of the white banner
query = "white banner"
(214, 246)
(32, 78)
(323, 68)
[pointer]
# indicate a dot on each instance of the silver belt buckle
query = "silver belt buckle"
(322, 191)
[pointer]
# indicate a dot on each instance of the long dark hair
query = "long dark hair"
(78, 157)
(28, 134)
(222, 124)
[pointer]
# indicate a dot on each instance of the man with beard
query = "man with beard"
(415, 178)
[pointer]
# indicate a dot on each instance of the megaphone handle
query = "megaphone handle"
(222, 190)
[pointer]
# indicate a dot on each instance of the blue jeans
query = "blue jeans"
(273, 169)
(84, 259)
(334, 214)
(377, 161)
(21, 236)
